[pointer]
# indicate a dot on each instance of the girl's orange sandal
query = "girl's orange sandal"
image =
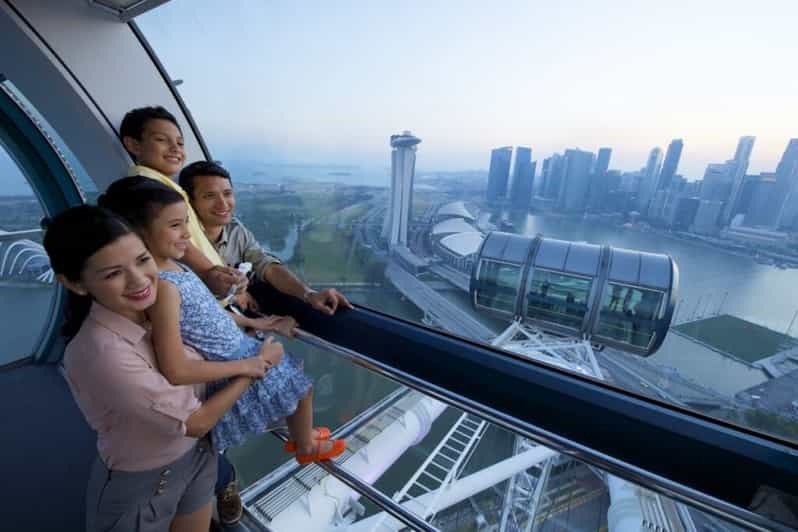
(323, 434)
(337, 448)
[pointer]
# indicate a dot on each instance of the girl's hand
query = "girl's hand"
(271, 352)
(283, 325)
(254, 367)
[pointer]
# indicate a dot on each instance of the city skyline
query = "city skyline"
(324, 83)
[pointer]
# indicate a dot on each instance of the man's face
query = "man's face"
(213, 200)
(160, 147)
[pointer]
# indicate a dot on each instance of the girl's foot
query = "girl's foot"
(319, 433)
(322, 450)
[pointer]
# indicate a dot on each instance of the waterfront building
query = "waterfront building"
(682, 213)
(499, 173)
(576, 180)
(551, 176)
(649, 179)
(717, 182)
(759, 191)
(670, 164)
(742, 157)
(707, 217)
(523, 177)
(786, 174)
(403, 167)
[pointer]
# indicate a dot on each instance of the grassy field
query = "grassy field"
(740, 338)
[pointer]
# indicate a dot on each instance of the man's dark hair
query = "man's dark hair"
(135, 120)
(200, 168)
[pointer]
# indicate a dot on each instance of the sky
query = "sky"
(329, 82)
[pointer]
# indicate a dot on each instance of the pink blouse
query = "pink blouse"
(140, 418)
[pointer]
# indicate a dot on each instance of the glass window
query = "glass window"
(498, 285)
(557, 298)
(628, 314)
(312, 132)
(26, 280)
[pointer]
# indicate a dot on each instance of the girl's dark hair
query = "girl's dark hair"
(138, 199)
(70, 240)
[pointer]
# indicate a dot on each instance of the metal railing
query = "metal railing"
(636, 475)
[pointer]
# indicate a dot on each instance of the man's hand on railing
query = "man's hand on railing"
(327, 301)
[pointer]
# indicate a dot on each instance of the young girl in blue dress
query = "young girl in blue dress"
(186, 312)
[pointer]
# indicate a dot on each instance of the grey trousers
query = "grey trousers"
(147, 501)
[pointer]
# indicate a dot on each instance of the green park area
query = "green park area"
(738, 337)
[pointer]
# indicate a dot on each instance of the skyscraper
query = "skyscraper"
(575, 180)
(403, 167)
(649, 181)
(499, 173)
(603, 161)
(670, 165)
(741, 157)
(523, 177)
(599, 184)
(784, 198)
(717, 182)
(551, 176)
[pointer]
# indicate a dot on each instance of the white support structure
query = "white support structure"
(441, 468)
(326, 502)
(462, 489)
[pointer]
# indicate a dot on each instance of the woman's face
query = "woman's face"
(121, 276)
(167, 235)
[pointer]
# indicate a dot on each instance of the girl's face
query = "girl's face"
(167, 234)
(122, 277)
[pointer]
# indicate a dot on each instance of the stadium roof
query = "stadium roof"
(453, 225)
(463, 244)
(456, 208)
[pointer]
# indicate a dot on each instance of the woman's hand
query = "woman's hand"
(283, 325)
(271, 352)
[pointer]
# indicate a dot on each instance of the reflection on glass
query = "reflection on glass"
(498, 285)
(627, 314)
(557, 298)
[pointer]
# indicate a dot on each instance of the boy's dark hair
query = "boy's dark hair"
(138, 199)
(70, 240)
(134, 121)
(200, 168)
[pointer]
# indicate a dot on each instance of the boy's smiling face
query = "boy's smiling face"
(160, 147)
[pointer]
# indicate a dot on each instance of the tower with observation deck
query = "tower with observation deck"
(403, 167)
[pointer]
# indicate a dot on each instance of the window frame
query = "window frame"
(55, 186)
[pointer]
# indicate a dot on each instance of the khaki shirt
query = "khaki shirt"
(237, 244)
(198, 237)
(140, 418)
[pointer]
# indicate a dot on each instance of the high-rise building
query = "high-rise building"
(403, 167)
(670, 164)
(649, 181)
(707, 217)
(785, 195)
(499, 173)
(523, 179)
(603, 161)
(575, 180)
(759, 189)
(551, 176)
(717, 182)
(742, 156)
(523, 176)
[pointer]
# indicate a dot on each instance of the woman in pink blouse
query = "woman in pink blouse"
(155, 470)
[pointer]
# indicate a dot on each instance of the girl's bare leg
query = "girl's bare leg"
(300, 427)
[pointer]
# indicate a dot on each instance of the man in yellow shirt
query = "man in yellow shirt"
(152, 137)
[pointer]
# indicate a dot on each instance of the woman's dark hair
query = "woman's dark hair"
(70, 240)
(138, 199)
(201, 168)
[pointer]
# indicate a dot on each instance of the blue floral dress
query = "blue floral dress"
(209, 329)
